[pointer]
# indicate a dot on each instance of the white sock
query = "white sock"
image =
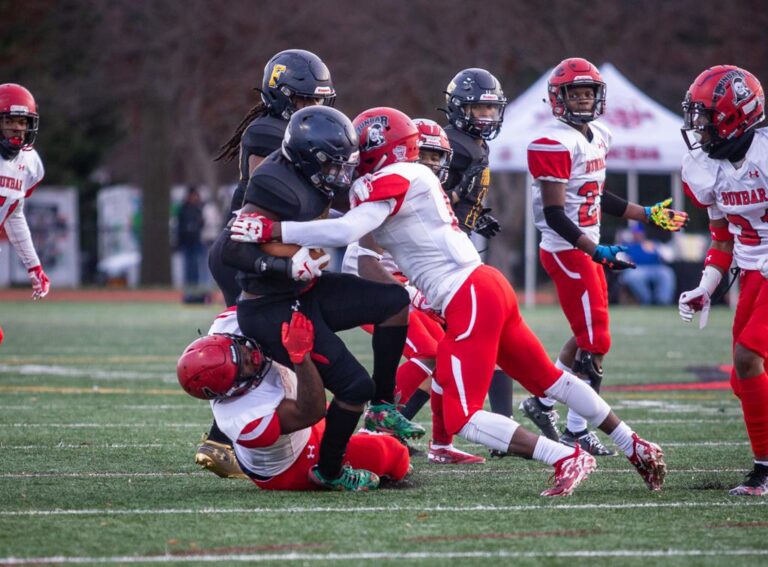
(764, 463)
(449, 446)
(622, 436)
(575, 423)
(549, 452)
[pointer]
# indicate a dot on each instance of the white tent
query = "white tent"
(646, 139)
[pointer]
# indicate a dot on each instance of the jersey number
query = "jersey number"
(749, 236)
(588, 212)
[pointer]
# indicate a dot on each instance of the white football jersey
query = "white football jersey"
(349, 263)
(564, 155)
(422, 233)
(234, 414)
(738, 194)
(18, 178)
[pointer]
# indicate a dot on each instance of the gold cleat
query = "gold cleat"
(219, 458)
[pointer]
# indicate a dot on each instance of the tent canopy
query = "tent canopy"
(646, 136)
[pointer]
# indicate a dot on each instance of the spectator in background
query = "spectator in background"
(653, 281)
(189, 237)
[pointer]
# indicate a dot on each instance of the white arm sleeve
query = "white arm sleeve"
(18, 234)
(333, 233)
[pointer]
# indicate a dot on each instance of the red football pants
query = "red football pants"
(583, 294)
(381, 454)
(750, 330)
(485, 328)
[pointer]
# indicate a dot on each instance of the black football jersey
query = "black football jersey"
(261, 137)
(277, 186)
(468, 175)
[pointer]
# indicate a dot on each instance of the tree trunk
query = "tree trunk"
(156, 183)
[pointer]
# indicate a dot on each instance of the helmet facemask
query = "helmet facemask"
(335, 173)
(13, 144)
(579, 117)
(252, 365)
(485, 127)
(698, 129)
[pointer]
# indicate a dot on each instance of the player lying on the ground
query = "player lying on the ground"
(403, 205)
(275, 417)
(725, 171)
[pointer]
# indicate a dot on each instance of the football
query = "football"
(288, 250)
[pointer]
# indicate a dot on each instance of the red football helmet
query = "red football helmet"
(213, 367)
(575, 72)
(15, 100)
(432, 137)
(723, 103)
(386, 136)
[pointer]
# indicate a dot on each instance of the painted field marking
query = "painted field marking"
(737, 503)
(388, 556)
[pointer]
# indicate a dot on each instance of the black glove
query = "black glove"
(487, 225)
(469, 186)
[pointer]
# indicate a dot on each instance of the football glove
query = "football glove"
(305, 268)
(298, 337)
(360, 191)
(41, 285)
(762, 266)
(668, 219)
(418, 301)
(692, 301)
(252, 228)
(486, 225)
(606, 255)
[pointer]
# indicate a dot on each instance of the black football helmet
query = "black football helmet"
(295, 73)
(475, 86)
(321, 142)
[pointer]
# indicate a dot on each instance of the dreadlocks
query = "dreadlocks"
(232, 147)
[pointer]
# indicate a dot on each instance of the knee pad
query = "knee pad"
(584, 364)
(575, 394)
(490, 429)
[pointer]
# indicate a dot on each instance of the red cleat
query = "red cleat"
(648, 459)
(570, 472)
(451, 456)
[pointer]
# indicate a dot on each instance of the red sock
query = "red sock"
(439, 435)
(410, 375)
(754, 402)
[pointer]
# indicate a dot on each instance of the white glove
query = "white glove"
(305, 268)
(418, 301)
(360, 190)
(692, 301)
(762, 266)
(251, 227)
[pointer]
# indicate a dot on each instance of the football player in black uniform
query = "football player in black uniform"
(475, 110)
(293, 79)
(318, 159)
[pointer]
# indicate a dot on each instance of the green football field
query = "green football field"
(97, 443)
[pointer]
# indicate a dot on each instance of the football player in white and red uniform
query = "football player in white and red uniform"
(567, 162)
(726, 172)
(425, 327)
(273, 416)
(20, 173)
(402, 204)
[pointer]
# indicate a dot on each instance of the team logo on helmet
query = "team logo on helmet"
(734, 78)
(376, 126)
(740, 90)
(399, 152)
(277, 70)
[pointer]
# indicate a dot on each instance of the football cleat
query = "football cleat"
(588, 441)
(648, 459)
(543, 417)
(386, 418)
(350, 480)
(450, 455)
(756, 483)
(570, 472)
(219, 458)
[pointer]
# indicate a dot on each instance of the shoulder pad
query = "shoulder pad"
(271, 187)
(389, 186)
(263, 136)
(699, 178)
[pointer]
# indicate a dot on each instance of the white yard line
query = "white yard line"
(413, 555)
(736, 503)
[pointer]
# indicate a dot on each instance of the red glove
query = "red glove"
(298, 337)
(41, 285)
(251, 227)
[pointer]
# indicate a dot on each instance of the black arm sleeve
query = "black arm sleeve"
(613, 204)
(561, 224)
(252, 259)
